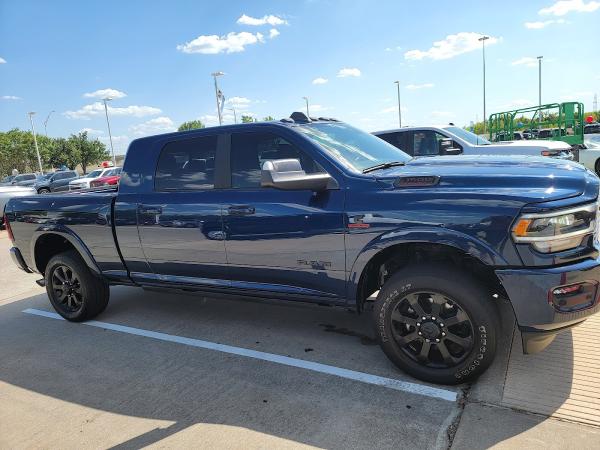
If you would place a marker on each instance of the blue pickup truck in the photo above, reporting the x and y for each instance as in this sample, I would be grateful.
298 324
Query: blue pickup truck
315 210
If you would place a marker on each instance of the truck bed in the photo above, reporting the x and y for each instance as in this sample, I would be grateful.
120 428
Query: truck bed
81 216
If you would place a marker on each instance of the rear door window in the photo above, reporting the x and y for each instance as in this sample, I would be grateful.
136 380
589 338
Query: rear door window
187 165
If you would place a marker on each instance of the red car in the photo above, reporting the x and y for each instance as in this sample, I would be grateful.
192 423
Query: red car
110 179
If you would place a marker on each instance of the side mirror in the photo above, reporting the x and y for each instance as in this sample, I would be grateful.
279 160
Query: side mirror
287 174
446 147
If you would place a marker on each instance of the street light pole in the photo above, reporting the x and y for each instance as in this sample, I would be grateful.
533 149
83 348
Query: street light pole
539 58
306 100
217 95
483 39
112 150
234 114
46 123
399 108
37 150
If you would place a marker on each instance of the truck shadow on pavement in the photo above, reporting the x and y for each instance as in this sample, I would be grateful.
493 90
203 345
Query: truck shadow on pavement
138 377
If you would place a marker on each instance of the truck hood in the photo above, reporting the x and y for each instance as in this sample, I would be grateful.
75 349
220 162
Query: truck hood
531 179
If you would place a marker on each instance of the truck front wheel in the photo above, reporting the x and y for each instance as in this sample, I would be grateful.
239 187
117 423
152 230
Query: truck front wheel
75 293
437 324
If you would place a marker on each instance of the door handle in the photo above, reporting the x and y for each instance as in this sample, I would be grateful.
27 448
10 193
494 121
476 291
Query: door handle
241 210
150 209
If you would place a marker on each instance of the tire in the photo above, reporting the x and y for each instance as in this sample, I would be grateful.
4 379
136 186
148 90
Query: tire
43 191
88 294
456 351
597 167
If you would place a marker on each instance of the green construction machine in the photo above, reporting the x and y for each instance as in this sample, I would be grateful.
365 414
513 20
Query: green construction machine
553 121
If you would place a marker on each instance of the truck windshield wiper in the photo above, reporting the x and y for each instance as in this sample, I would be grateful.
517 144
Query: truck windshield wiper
386 165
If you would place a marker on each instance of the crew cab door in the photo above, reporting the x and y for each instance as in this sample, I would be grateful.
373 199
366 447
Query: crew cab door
179 222
288 242
60 181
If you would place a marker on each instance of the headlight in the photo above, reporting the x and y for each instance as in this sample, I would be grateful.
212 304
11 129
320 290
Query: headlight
556 231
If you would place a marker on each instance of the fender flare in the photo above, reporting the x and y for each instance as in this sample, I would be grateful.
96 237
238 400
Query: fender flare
425 235
72 238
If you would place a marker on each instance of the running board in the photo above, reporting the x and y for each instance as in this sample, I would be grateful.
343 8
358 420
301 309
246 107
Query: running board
41 282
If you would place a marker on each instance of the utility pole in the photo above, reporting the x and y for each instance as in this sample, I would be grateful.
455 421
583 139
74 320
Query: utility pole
539 58
46 123
218 96
306 100
399 107
234 114
37 150
112 150
483 39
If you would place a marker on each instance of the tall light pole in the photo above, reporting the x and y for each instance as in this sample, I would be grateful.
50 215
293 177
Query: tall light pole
483 39
539 58
399 108
234 114
46 122
37 150
112 150
218 95
306 100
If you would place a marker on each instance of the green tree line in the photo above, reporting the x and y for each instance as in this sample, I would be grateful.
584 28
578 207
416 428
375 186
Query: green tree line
17 151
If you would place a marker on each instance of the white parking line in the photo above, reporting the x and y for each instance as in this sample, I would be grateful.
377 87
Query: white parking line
390 383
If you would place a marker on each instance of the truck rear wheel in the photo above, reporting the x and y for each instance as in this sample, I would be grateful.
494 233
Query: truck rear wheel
75 293
437 324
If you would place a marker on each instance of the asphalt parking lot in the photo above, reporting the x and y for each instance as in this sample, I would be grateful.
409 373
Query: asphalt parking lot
165 371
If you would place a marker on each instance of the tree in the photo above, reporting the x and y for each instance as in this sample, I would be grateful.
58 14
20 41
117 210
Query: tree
62 152
87 152
248 119
191 125
268 118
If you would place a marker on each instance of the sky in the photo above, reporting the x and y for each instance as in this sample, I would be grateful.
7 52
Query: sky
155 59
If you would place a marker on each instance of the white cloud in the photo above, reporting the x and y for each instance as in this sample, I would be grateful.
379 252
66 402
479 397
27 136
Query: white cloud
269 19
540 25
10 97
273 32
517 103
320 80
453 45
576 96
348 72
564 7
120 143
527 61
153 126
104 93
413 87
389 49
213 44
2 61
238 102
97 108
91 131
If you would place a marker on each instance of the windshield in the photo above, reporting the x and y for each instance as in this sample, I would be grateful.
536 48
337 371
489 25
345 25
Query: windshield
592 141
94 174
352 147
465 135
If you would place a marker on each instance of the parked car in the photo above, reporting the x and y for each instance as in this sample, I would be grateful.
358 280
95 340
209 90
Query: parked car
25 179
592 128
110 178
8 192
453 140
7 181
84 181
55 182
589 155
319 211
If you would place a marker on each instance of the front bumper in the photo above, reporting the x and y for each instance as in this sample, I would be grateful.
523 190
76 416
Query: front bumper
538 316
